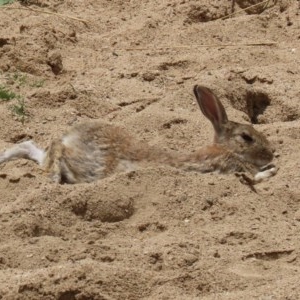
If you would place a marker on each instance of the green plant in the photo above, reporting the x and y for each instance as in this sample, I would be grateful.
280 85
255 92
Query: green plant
19 110
23 79
3 2
38 83
18 107
6 95
20 78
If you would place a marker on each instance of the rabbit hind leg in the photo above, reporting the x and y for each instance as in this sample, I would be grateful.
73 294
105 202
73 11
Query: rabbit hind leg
27 150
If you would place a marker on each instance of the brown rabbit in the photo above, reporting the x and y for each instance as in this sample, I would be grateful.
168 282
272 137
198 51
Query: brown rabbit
94 150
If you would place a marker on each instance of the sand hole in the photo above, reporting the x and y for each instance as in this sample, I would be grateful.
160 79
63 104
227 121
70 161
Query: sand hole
257 102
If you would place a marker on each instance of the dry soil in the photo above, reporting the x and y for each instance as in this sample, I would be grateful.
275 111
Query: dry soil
156 233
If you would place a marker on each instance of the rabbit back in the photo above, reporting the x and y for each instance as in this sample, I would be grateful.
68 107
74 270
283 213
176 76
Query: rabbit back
88 152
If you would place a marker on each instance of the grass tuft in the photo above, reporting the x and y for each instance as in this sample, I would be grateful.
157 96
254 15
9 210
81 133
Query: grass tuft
6 95
18 106
19 110
3 2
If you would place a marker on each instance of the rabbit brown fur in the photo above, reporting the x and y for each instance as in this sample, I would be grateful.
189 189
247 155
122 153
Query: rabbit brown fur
94 150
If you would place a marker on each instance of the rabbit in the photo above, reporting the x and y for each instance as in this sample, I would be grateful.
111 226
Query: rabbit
94 150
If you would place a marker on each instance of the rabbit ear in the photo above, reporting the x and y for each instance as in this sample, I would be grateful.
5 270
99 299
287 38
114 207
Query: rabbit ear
211 107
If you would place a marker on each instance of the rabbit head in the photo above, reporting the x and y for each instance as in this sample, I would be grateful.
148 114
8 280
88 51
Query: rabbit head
242 139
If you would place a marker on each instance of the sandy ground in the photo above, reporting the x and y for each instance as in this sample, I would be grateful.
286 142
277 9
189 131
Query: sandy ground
156 233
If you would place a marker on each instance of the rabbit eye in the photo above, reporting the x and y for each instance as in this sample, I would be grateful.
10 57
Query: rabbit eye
247 138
